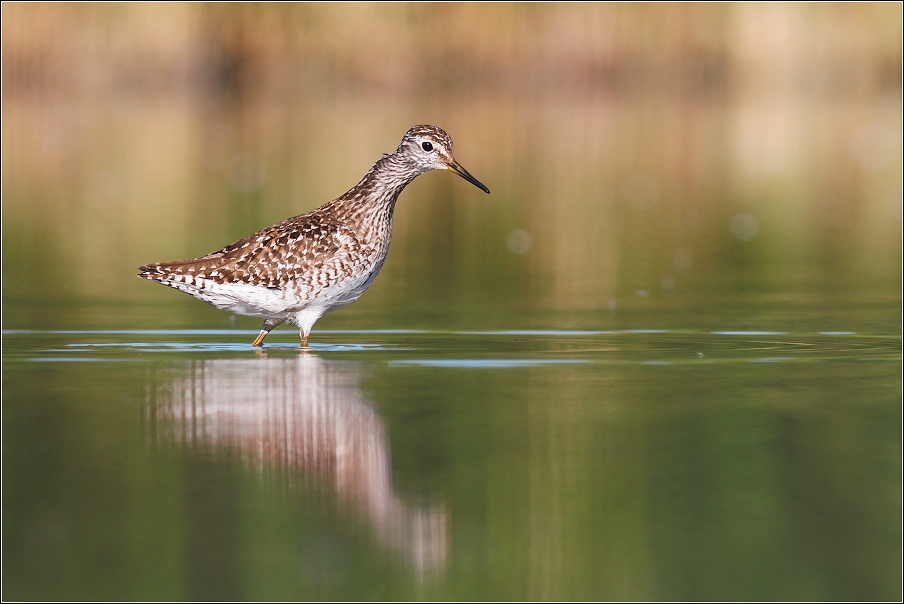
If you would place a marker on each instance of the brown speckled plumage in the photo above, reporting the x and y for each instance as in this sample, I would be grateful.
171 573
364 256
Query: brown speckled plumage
305 266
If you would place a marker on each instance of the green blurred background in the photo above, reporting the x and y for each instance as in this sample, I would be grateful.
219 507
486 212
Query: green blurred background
641 157
690 168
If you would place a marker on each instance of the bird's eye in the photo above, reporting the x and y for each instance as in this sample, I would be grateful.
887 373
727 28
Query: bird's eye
427 146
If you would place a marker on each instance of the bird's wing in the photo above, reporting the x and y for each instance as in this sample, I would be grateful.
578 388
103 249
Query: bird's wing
290 250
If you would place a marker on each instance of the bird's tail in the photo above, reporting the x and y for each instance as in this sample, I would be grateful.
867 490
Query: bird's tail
163 270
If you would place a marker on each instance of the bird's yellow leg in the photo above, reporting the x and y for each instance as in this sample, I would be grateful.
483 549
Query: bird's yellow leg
268 325
304 340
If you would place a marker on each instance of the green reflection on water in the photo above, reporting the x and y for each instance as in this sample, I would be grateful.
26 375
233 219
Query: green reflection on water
589 465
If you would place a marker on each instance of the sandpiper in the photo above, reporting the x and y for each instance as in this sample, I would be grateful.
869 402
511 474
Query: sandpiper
301 268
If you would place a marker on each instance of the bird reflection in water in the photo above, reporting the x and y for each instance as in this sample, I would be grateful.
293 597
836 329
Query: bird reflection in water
306 419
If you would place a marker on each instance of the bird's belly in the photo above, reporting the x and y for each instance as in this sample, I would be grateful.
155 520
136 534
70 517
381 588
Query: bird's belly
347 291
244 298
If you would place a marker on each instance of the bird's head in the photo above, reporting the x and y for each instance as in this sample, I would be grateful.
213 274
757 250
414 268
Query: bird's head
430 148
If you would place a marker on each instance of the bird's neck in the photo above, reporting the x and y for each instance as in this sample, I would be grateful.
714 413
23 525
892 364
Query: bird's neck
380 187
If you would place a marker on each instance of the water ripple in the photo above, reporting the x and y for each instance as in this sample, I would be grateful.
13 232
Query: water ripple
486 363
222 346
749 333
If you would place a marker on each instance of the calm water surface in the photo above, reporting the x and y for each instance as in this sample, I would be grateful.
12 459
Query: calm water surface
598 464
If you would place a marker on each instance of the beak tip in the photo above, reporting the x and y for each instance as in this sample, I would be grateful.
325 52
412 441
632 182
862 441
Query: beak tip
455 167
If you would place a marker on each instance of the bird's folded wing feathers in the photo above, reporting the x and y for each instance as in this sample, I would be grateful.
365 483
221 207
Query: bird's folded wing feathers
283 252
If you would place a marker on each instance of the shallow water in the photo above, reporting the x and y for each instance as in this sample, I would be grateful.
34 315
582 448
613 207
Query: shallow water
581 464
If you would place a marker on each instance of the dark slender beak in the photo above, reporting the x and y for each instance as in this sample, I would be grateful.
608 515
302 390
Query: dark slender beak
455 167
